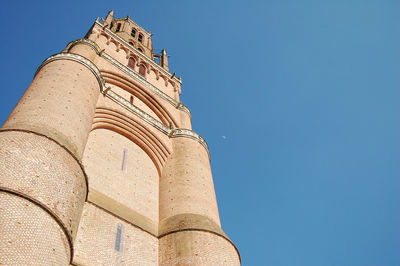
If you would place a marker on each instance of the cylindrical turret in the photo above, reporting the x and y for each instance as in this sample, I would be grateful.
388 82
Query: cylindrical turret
189 227
43 185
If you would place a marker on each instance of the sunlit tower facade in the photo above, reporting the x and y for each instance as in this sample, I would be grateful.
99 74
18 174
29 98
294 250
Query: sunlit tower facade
99 165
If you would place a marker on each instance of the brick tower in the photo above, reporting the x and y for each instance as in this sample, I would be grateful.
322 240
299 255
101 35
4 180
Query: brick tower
99 165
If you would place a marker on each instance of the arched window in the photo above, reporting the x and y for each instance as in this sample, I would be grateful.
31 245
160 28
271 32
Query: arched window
133 33
140 38
131 43
118 27
142 70
131 63
140 50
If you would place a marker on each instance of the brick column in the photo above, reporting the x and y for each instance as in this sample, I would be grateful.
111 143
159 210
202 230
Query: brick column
42 182
189 228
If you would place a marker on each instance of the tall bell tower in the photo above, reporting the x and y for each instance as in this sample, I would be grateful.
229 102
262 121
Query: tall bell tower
99 165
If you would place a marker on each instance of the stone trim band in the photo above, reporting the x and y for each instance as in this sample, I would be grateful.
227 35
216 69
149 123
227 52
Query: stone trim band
173 133
207 231
132 74
149 60
187 133
148 118
77 58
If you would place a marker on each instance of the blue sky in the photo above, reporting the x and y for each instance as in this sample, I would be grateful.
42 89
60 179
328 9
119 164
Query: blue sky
298 101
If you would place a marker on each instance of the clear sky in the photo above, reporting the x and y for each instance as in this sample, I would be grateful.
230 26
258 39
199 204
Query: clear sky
298 101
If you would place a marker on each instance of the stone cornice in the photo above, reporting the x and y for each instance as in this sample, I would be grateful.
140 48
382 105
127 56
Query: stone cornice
148 60
187 133
171 132
132 74
77 58
145 83
127 105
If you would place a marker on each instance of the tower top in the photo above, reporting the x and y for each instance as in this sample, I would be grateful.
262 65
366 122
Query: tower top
131 32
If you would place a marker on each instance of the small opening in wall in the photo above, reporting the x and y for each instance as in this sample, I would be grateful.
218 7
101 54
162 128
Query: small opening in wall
131 63
118 27
118 237
142 70
124 154
131 99
133 33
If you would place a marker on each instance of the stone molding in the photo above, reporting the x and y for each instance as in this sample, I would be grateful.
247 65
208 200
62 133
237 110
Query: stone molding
149 60
145 83
171 132
132 74
191 222
127 105
187 133
123 212
188 221
77 58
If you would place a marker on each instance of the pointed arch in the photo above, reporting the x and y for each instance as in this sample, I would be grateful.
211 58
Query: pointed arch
136 89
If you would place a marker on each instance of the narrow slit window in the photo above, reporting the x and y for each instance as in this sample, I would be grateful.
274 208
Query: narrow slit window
124 154
118 28
140 38
131 63
131 99
133 33
118 238
142 70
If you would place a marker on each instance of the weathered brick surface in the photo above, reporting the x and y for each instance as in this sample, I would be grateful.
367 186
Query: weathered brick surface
186 185
196 248
139 177
136 101
46 172
29 235
96 241
59 103
182 118
134 184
